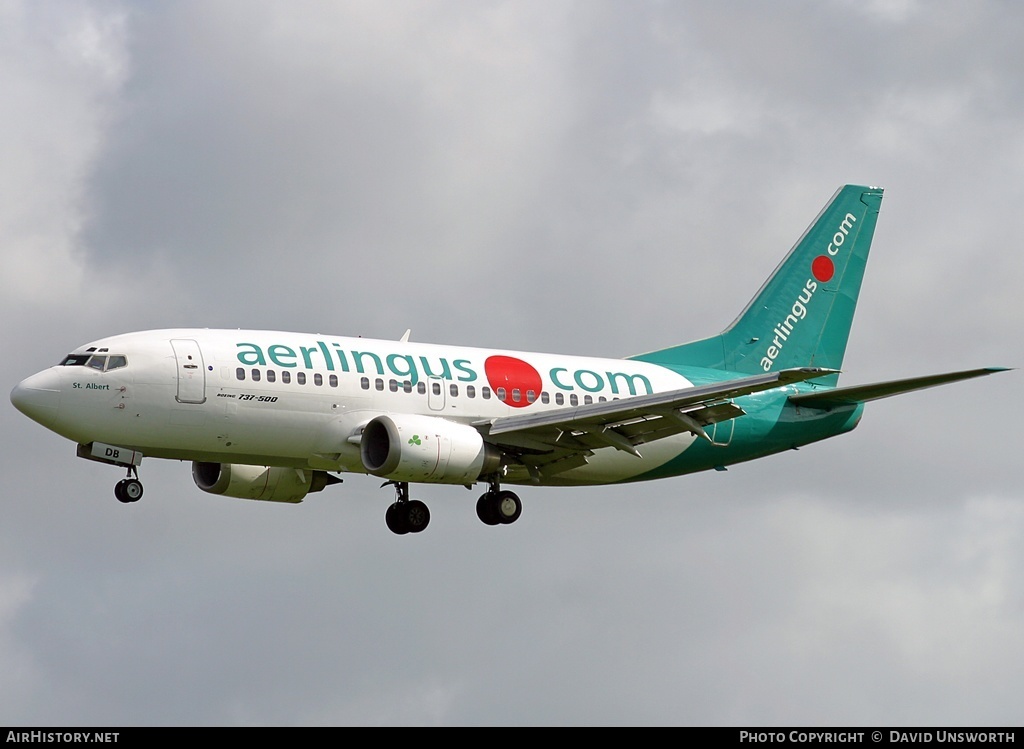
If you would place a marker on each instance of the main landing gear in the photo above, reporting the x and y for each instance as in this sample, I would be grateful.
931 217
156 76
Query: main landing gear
405 515
129 489
496 507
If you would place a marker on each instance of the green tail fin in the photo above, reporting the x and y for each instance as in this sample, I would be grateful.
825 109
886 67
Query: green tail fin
802 315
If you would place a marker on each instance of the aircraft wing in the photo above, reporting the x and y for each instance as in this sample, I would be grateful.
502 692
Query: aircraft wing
864 393
560 439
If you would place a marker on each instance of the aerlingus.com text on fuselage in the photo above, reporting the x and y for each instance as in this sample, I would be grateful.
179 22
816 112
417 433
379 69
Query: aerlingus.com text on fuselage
521 380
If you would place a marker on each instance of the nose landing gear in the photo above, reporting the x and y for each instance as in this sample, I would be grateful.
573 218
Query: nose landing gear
129 489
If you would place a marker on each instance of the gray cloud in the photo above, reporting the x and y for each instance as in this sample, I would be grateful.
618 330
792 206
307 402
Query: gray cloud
589 178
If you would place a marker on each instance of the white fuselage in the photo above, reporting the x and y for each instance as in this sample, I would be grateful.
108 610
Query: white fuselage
299 400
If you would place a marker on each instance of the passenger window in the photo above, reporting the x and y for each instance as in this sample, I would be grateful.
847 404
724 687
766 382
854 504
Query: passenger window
587 400
286 377
453 389
545 397
515 395
574 400
501 393
393 386
271 375
436 388
601 399
407 386
379 384
333 381
300 377
364 383
421 388
318 379
255 375
470 391
530 396
485 393
559 399
240 373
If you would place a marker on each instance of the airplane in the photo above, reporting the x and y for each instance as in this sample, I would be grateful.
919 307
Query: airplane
274 416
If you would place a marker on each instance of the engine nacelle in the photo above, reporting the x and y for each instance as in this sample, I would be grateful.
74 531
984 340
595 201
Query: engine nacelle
405 447
272 484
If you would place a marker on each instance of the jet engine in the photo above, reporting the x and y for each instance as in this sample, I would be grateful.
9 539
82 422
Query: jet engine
272 484
406 447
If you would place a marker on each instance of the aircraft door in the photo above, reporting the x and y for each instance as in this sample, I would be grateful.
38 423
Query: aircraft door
191 371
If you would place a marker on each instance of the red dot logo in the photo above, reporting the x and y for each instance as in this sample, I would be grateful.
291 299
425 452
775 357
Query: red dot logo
823 268
515 376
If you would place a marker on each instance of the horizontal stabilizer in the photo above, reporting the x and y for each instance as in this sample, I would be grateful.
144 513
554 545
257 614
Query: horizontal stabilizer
862 393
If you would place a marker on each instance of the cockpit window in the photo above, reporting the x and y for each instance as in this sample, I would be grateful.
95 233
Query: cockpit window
93 361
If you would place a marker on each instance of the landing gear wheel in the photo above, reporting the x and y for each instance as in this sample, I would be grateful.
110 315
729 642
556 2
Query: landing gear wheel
133 489
405 515
128 490
395 519
507 507
499 508
417 516
487 510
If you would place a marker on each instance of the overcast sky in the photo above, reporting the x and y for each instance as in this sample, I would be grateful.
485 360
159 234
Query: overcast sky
592 177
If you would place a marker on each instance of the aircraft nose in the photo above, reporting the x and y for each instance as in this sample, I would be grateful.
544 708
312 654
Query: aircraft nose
38 396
